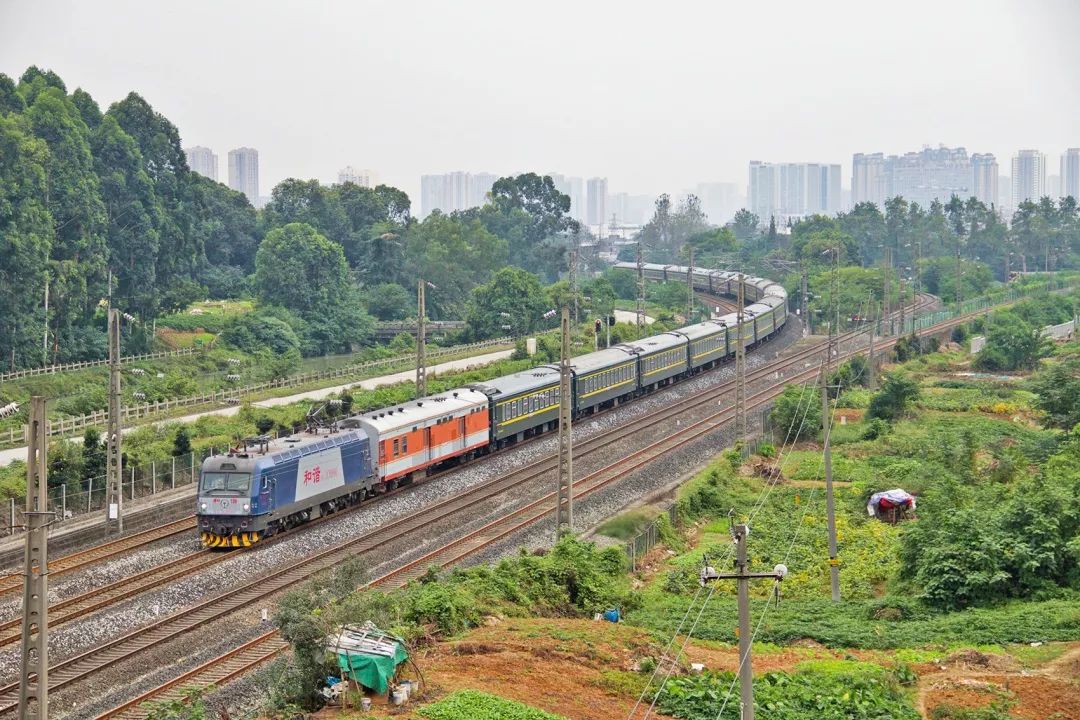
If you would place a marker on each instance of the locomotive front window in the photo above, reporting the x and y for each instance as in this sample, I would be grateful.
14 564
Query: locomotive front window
225 482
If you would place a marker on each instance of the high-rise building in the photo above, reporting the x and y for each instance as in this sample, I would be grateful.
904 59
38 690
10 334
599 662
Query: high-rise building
596 202
868 179
454 191
1028 176
719 200
1070 173
244 172
202 160
763 190
1053 186
924 176
984 178
362 177
574 188
789 191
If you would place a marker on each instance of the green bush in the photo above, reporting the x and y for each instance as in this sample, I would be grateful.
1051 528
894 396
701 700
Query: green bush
787 696
475 705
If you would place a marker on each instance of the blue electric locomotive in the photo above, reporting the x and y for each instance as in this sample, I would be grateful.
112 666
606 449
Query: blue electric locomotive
270 486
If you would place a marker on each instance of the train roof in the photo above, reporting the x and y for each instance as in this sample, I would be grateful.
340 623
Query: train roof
282 449
703 329
600 359
518 382
422 411
657 343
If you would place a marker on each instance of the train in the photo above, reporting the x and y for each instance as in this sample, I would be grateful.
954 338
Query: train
268 485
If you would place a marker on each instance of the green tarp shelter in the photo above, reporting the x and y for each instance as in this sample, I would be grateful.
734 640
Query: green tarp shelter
368 655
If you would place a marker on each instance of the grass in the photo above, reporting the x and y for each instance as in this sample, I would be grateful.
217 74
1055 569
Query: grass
475 705
627 525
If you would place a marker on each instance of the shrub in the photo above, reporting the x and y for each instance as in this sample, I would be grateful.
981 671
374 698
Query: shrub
476 705
891 402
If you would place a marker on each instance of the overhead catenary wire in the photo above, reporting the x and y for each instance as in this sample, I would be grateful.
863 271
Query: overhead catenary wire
808 391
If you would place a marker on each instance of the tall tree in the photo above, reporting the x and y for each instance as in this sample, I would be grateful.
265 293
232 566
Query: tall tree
10 99
166 166
513 303
133 218
73 195
745 225
26 230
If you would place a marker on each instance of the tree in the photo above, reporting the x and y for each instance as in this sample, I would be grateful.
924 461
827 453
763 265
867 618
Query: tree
26 229
513 303
390 301
76 258
301 270
796 414
897 393
1011 344
745 225
260 330
93 453
532 216
181 442
454 253
181 250
10 99
132 213
866 226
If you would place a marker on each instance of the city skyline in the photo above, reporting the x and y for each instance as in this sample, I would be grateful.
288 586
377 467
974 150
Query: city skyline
558 119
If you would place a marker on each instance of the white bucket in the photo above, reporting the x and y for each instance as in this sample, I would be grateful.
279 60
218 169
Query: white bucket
398 697
365 704
406 686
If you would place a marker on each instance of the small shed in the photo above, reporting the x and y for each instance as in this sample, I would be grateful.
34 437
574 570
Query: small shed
891 505
367 655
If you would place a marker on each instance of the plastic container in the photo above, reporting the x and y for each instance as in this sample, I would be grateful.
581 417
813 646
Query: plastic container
365 704
398 697
407 686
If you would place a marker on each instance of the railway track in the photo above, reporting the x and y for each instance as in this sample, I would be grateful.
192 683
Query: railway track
532 512
173 626
76 668
11 582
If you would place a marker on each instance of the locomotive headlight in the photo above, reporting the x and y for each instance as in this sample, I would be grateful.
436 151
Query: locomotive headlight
202 506
247 507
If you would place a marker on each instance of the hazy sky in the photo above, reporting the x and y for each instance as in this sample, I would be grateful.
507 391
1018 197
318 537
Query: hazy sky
656 96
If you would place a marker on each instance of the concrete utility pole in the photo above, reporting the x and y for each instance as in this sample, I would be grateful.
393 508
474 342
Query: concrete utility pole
564 508
690 287
903 306
34 699
742 576
574 281
871 381
640 287
804 310
959 275
886 311
421 341
740 363
830 505
114 470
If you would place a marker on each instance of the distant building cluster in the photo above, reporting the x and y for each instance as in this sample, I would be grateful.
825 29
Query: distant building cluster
362 177
939 173
454 191
791 191
243 169
924 176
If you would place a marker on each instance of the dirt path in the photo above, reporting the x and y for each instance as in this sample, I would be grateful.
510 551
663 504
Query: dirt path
973 680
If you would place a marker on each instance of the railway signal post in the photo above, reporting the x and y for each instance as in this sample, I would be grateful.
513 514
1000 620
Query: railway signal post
114 470
34 699
564 506
421 341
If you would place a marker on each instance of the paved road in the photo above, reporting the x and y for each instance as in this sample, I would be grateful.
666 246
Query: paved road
9 456
626 316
